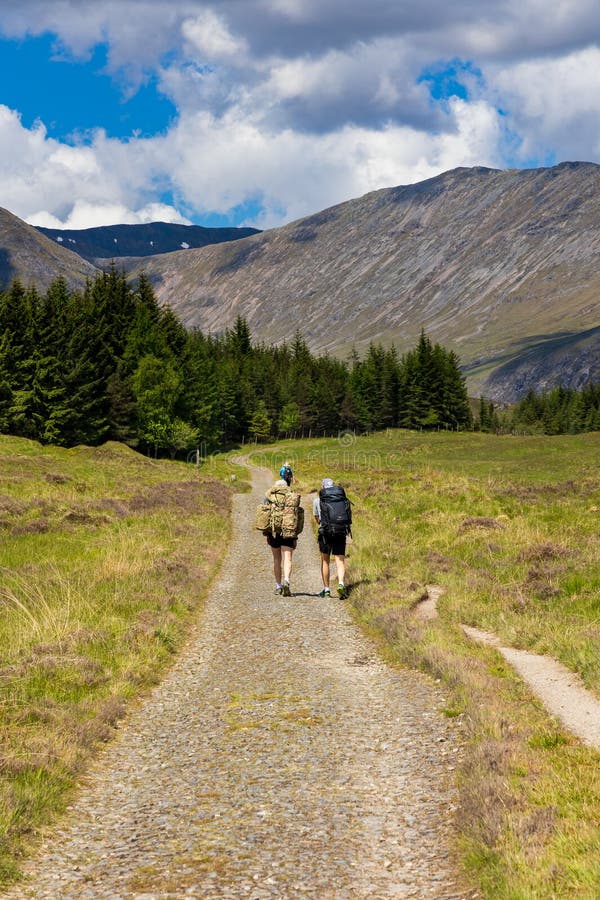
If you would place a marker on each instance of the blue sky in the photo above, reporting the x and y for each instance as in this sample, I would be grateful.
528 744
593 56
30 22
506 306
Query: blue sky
263 111
73 97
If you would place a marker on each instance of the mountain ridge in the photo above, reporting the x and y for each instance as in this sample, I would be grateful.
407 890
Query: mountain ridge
30 257
489 262
501 266
106 242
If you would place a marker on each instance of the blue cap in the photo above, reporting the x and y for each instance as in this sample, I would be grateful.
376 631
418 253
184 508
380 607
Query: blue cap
286 473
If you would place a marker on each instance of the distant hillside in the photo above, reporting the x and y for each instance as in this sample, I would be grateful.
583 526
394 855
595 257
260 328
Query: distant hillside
111 241
501 266
34 259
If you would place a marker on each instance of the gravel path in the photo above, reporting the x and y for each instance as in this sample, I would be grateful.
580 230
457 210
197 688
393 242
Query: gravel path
280 758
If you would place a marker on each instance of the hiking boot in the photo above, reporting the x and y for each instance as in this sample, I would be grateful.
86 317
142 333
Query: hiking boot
325 593
285 590
342 592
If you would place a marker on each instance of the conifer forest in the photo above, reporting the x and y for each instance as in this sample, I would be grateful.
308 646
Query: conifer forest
108 363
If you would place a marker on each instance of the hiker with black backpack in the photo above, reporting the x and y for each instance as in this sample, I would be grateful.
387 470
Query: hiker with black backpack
333 513
281 519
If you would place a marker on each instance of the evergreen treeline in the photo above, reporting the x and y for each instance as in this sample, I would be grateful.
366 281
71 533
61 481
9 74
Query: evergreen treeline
559 411
109 363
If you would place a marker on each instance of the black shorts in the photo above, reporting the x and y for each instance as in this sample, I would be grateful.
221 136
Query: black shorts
277 541
333 544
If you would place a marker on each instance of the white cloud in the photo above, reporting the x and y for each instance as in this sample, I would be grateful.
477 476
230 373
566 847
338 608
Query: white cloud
78 163
555 103
89 215
301 104
138 32
221 164
208 35
50 183
366 85
476 141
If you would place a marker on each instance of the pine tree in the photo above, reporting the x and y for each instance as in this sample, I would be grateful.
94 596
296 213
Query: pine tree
50 403
239 342
144 335
289 419
201 401
360 411
260 423
121 407
6 394
457 410
390 390
175 335
17 314
233 415
411 402
157 388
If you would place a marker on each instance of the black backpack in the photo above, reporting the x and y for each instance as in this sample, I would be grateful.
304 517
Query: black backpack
336 511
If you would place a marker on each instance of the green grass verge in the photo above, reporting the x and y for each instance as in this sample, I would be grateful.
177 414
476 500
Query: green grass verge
105 558
508 527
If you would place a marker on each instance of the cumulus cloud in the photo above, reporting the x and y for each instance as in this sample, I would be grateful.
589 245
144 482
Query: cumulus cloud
209 36
141 31
51 183
368 85
137 32
555 103
88 215
293 105
224 164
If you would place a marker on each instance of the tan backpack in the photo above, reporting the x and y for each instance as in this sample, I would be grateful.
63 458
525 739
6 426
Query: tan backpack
281 515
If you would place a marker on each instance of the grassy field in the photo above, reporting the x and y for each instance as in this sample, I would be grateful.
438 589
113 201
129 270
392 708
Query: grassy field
104 560
509 528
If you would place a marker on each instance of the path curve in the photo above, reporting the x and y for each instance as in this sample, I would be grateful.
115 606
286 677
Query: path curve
562 691
280 758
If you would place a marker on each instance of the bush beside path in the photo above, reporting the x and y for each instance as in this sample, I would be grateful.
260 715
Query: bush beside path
279 758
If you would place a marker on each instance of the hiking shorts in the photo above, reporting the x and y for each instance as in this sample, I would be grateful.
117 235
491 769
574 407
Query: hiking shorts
277 541
333 544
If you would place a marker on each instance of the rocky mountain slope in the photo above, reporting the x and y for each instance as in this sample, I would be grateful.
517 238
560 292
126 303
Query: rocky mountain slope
29 256
106 242
502 266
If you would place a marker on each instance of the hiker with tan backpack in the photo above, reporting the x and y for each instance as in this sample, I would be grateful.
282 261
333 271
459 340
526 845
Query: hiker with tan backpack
281 519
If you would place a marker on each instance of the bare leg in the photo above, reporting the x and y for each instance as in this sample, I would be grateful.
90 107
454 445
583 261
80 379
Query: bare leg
325 569
340 564
277 563
286 553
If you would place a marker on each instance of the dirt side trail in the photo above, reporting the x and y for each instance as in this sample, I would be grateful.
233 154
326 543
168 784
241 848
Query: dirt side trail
278 759
561 690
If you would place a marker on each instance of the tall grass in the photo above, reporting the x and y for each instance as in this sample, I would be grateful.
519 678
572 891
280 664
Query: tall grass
508 527
104 560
